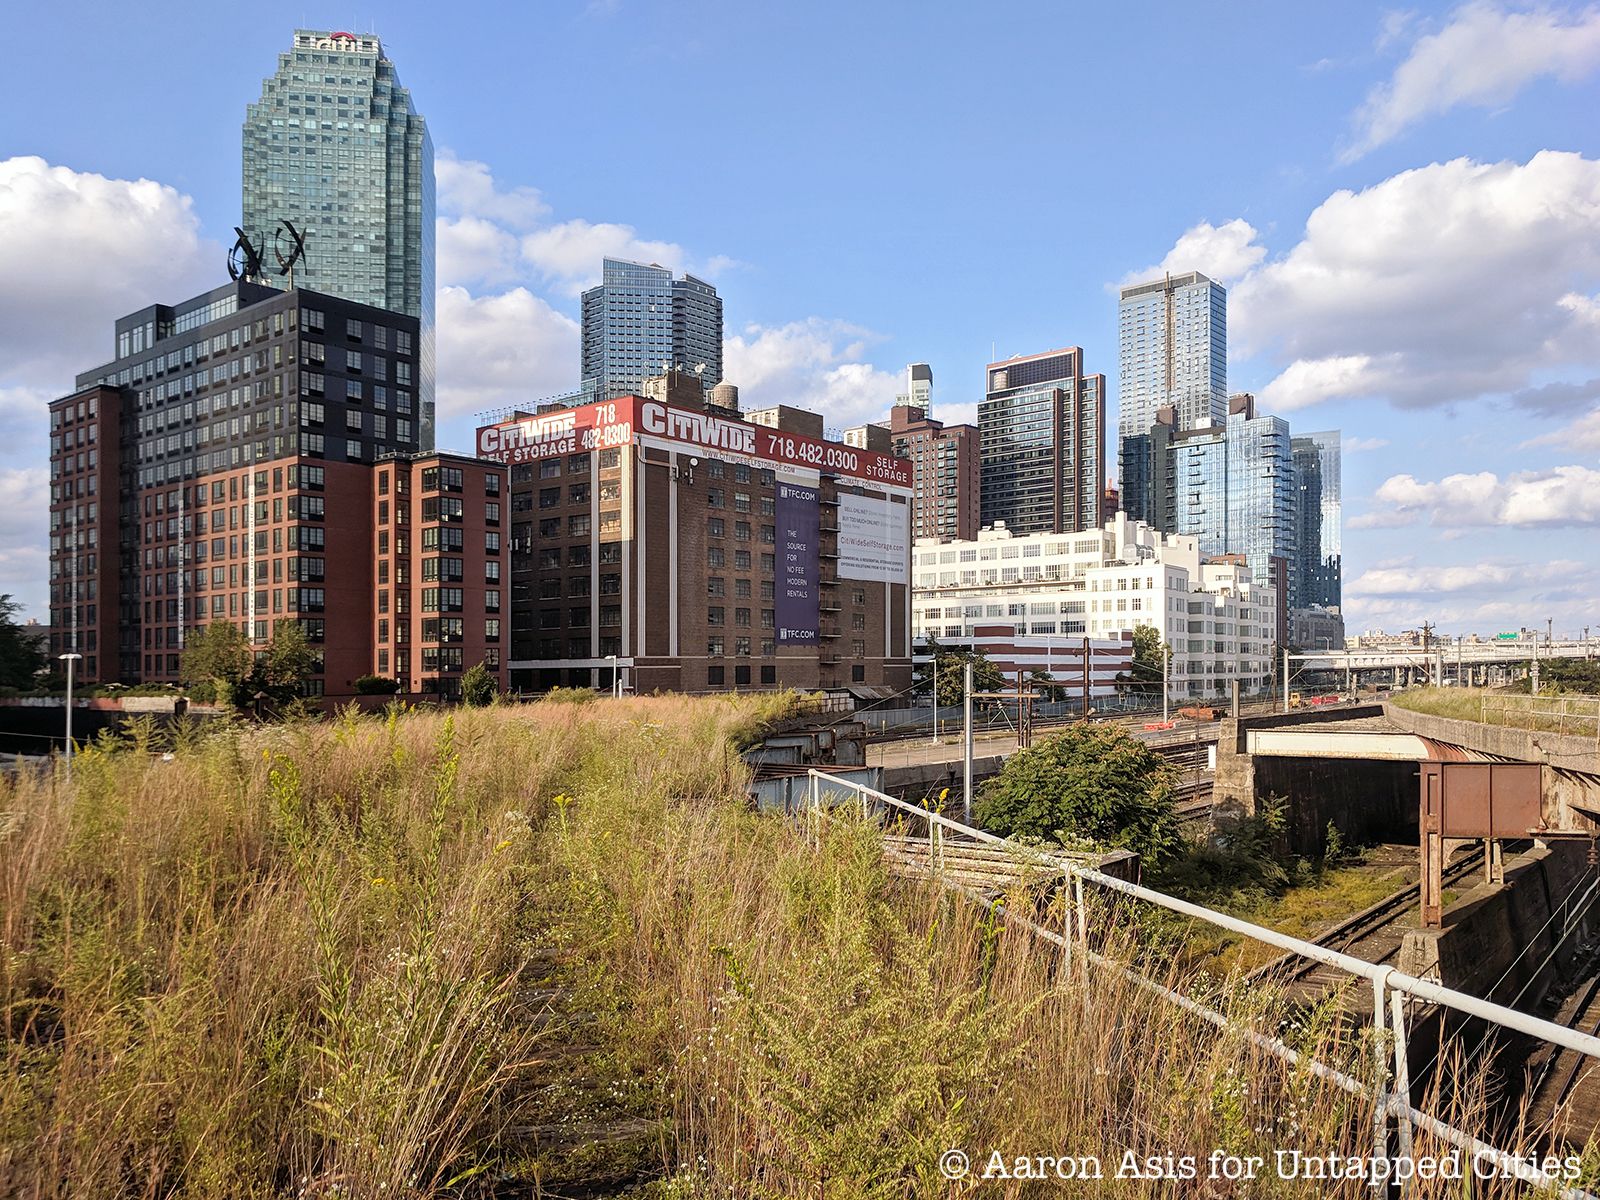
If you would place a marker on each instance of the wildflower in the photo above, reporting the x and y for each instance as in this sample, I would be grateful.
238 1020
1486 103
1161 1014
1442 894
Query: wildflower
377 881
502 845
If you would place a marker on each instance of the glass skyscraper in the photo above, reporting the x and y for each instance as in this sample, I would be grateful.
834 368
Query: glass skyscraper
335 146
1173 337
1320 568
641 322
1041 435
1234 488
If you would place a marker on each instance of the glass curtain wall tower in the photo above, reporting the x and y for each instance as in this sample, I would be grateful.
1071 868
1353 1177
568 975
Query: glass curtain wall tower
1320 568
335 146
641 322
1041 430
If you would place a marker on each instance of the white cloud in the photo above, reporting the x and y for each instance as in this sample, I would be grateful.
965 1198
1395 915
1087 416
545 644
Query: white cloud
1224 252
1440 284
569 254
78 250
474 250
1483 57
1583 434
468 187
818 364
1555 398
1483 597
1424 580
500 350
1360 445
1311 381
1562 497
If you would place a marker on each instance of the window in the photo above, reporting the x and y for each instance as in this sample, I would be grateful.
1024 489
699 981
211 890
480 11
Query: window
716 616
716 585
714 676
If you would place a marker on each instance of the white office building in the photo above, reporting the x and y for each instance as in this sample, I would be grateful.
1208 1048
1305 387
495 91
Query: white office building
1218 621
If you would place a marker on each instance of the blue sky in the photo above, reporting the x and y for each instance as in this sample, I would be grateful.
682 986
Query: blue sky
1405 204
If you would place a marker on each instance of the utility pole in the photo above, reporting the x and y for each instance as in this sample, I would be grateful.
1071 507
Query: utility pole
1286 679
70 659
966 756
935 698
1086 653
1166 691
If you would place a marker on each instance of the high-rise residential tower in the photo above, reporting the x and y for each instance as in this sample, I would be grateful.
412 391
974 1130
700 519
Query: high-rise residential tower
919 388
1320 568
335 147
944 472
1174 350
1234 489
640 322
1042 442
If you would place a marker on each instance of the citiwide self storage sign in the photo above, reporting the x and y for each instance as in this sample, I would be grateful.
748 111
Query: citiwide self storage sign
630 419
795 605
873 539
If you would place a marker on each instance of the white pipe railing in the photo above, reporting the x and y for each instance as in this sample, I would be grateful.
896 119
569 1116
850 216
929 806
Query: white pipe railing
1389 986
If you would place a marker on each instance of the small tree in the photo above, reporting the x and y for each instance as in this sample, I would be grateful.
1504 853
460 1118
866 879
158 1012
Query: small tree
1147 652
218 653
21 656
477 686
376 685
951 660
1089 781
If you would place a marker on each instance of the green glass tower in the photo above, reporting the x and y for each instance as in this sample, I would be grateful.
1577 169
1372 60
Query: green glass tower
335 146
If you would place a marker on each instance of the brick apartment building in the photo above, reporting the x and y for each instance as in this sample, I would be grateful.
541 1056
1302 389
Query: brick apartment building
944 472
693 550
222 467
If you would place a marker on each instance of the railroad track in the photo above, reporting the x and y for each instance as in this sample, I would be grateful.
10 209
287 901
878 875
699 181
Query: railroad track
1374 934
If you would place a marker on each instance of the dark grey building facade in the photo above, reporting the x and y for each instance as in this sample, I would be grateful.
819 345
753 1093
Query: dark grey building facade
1041 432
640 323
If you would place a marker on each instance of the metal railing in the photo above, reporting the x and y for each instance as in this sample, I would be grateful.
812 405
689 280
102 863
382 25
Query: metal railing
1576 715
1389 1090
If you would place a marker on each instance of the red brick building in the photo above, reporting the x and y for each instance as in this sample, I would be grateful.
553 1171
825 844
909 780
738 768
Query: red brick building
693 551
438 606
944 473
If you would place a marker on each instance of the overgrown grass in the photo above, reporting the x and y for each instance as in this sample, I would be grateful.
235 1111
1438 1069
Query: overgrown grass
1570 714
550 951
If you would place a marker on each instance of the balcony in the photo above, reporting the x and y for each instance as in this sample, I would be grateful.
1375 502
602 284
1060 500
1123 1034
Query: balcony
829 605
828 631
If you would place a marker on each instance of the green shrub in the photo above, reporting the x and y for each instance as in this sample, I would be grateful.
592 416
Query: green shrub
1091 782
566 695
376 685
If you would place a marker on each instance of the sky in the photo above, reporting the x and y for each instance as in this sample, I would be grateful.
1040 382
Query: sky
1404 204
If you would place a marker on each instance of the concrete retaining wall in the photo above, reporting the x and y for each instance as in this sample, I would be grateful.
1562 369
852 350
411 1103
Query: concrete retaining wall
1497 936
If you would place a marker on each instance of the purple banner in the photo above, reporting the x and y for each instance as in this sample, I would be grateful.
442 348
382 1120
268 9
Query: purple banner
796 599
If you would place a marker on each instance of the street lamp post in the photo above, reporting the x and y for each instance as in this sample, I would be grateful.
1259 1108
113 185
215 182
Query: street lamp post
1166 690
615 690
69 659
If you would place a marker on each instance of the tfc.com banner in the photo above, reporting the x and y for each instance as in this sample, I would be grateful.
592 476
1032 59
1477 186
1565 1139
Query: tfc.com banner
630 419
795 605
873 539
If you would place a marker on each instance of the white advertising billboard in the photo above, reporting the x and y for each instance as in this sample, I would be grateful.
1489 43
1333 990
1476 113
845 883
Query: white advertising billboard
874 540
